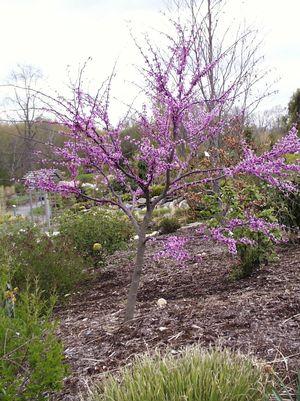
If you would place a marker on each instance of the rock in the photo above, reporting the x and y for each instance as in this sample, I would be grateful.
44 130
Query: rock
183 205
153 234
141 201
161 303
191 225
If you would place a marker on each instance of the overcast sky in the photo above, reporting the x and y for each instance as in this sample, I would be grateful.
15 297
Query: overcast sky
52 34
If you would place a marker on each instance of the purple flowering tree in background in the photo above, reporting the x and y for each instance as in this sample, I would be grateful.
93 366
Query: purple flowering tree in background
174 127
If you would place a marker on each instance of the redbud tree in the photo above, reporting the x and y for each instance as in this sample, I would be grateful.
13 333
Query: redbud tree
175 126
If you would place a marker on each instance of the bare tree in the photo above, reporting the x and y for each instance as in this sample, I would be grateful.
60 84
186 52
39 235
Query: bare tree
26 112
236 49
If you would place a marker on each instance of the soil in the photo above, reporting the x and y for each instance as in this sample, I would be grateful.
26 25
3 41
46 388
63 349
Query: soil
259 315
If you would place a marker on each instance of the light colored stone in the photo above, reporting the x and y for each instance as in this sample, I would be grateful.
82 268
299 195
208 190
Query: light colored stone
141 201
183 205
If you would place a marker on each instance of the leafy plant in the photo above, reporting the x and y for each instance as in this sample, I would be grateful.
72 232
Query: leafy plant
84 228
156 189
240 203
168 225
287 206
31 356
194 375
34 254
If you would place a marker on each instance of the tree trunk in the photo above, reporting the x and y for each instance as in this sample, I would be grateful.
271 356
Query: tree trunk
135 281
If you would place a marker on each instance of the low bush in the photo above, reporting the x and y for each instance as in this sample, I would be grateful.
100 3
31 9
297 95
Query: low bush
287 206
239 200
193 376
168 225
34 254
31 357
18 200
156 190
109 228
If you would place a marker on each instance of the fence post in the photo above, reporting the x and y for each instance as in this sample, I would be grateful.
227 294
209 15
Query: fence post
47 210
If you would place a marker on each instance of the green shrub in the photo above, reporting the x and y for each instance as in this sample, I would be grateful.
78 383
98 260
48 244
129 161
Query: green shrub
38 211
251 257
196 375
287 206
18 200
156 190
126 197
110 228
161 211
168 225
238 199
31 357
33 254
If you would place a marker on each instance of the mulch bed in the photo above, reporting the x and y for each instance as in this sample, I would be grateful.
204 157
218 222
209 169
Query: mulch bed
258 315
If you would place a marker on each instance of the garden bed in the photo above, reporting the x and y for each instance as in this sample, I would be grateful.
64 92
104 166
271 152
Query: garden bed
260 314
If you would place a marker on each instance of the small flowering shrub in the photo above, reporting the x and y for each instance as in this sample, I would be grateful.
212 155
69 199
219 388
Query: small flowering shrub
194 375
31 357
106 227
34 254
249 226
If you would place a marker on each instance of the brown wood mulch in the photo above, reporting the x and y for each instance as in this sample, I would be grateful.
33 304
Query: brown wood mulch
258 315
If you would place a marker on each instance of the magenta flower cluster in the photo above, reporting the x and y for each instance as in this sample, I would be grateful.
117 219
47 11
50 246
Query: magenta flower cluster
225 234
174 129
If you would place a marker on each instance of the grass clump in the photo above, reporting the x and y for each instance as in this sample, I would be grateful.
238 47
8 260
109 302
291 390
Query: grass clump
195 375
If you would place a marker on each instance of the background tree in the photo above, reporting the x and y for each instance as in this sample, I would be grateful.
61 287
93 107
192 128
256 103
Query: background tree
26 111
293 117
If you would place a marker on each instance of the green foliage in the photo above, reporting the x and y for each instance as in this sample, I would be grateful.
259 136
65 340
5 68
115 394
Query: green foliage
287 206
34 254
251 197
86 177
193 376
251 257
18 200
156 190
235 200
31 357
84 228
294 110
168 225
126 197
128 135
38 211
161 211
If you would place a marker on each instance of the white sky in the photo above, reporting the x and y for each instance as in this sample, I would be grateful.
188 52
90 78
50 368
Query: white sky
52 34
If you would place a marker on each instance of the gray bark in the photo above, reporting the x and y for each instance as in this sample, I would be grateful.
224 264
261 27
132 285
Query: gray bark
135 281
